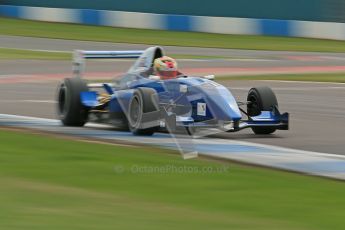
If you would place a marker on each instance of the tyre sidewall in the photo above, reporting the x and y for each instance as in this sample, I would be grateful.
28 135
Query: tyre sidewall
74 113
148 100
265 101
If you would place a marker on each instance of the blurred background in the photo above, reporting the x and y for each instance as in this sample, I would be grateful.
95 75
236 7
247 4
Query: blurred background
308 18
83 178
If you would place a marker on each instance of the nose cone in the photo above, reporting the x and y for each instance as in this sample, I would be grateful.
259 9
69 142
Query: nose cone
225 106
234 111
220 103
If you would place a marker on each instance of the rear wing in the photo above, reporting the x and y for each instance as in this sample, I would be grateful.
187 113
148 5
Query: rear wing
79 57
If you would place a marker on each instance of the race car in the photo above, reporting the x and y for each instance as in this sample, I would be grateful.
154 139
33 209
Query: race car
144 102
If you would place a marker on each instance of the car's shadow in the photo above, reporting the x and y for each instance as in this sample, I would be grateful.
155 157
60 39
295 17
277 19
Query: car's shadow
221 135
245 136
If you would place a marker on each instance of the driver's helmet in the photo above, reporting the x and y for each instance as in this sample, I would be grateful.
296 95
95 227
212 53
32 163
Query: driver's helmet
165 67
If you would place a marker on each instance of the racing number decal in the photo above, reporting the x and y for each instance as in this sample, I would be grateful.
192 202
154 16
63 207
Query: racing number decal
201 110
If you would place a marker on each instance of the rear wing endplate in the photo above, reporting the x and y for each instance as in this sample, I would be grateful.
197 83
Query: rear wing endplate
79 57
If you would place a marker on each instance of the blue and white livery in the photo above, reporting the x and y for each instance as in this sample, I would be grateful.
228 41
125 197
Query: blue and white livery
143 103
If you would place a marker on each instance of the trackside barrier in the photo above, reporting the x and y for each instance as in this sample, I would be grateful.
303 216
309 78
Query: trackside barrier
222 25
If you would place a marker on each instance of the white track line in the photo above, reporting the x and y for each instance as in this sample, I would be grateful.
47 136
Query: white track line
28 101
307 162
37 50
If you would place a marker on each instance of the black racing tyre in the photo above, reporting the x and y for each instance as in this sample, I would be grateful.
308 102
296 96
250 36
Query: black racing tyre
70 110
144 100
261 98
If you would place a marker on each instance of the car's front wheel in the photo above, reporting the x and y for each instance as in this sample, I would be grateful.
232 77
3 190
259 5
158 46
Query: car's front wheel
261 99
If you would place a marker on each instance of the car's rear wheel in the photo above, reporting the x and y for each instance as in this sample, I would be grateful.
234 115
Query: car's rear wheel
70 110
144 100
261 99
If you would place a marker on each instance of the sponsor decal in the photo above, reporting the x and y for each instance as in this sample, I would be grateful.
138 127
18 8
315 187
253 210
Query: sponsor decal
201 110
183 88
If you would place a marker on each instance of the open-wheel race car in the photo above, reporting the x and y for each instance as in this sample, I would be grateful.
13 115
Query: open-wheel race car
144 102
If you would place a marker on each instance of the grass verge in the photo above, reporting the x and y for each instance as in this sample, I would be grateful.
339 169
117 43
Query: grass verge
50 183
124 35
11 54
312 77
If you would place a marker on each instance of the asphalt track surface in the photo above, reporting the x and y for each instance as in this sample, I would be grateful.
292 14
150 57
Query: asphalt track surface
317 109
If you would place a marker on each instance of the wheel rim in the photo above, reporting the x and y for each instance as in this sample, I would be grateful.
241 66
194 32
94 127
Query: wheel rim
135 112
253 107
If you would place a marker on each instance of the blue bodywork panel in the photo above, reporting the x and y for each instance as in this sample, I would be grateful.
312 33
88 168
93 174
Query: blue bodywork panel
89 99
